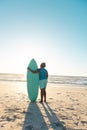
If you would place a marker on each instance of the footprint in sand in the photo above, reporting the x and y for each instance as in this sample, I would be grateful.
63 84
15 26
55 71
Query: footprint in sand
51 98
67 95
9 119
70 108
58 93
84 122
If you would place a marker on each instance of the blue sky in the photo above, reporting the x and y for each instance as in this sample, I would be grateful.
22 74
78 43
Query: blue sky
53 31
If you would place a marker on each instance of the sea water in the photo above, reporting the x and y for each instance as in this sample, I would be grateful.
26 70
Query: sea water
53 79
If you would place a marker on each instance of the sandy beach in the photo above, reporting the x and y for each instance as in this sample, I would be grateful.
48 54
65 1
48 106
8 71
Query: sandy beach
66 108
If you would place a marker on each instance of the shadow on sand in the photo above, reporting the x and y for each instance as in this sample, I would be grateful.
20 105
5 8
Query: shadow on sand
41 117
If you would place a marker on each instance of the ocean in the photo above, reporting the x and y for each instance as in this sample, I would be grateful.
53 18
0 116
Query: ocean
53 79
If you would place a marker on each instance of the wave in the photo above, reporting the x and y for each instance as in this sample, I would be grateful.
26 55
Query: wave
77 80
55 79
13 77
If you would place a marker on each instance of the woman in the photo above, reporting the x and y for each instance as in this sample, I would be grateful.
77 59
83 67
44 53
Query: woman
43 78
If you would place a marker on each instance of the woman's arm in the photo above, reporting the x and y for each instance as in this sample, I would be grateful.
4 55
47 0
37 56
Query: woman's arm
47 75
33 71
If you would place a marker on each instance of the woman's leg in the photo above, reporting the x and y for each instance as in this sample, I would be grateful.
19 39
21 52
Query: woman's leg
44 95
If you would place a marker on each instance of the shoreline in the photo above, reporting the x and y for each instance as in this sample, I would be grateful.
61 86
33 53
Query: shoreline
66 107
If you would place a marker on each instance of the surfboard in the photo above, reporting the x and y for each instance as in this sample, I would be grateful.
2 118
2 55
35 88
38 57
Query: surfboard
32 81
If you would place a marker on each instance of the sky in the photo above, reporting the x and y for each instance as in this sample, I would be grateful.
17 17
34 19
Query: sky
50 31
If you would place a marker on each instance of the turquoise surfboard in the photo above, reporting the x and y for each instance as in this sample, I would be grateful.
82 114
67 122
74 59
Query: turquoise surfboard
32 81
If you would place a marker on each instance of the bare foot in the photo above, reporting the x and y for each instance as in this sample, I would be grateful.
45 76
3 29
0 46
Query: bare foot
41 102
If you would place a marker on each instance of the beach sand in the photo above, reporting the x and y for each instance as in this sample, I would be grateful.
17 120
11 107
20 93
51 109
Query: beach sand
66 108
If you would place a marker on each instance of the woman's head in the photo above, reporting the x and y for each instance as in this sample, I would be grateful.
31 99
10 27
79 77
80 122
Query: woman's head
42 65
